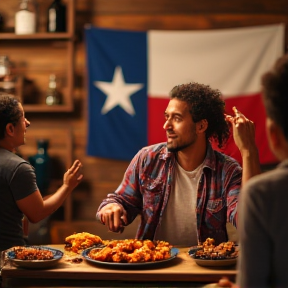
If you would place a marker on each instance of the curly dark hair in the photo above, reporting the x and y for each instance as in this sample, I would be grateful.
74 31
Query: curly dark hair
275 93
9 112
205 103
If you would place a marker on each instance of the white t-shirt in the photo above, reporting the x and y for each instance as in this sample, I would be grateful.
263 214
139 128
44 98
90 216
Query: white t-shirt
179 225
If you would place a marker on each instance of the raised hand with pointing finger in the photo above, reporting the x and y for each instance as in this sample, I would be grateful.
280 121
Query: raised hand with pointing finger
244 138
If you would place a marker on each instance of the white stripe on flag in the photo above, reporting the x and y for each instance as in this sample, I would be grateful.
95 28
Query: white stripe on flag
231 60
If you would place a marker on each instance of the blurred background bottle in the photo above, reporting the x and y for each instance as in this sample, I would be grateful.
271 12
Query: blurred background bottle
1 23
53 96
56 17
42 164
25 18
4 66
7 78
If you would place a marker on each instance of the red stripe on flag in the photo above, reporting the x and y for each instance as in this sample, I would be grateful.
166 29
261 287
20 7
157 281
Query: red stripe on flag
156 120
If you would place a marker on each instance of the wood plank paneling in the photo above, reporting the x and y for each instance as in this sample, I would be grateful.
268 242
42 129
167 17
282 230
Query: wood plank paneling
186 22
181 6
181 14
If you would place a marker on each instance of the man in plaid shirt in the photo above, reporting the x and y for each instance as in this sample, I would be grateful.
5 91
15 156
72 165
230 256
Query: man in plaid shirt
183 190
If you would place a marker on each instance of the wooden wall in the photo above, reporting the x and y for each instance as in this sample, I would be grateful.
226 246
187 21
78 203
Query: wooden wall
102 176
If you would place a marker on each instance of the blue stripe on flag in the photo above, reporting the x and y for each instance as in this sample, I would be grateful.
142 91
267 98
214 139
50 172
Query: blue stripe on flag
117 87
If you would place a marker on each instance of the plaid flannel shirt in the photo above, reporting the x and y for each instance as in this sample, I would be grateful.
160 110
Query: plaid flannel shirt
147 184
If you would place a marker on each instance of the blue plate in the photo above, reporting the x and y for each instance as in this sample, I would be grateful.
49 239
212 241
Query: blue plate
174 252
35 264
193 249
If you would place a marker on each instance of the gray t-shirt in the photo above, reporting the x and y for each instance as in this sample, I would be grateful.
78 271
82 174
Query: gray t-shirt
17 181
263 231
179 223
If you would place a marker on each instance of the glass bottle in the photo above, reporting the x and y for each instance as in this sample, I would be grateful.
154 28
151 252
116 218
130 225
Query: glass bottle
1 23
53 96
7 79
56 17
41 162
4 66
25 18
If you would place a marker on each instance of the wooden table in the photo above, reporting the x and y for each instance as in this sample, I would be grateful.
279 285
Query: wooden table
182 271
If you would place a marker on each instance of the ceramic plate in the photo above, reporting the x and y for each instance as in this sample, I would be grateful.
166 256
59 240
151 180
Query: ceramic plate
36 264
209 263
174 253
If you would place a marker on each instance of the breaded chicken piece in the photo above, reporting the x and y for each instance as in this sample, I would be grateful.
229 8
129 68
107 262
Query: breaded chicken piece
80 241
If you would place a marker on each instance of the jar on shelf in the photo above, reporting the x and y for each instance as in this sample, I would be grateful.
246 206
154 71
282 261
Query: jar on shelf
25 18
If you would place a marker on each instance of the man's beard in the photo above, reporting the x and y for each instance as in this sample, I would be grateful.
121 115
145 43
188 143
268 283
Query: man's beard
177 148
182 146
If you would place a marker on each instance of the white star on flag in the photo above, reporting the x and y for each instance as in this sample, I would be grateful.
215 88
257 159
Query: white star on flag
118 92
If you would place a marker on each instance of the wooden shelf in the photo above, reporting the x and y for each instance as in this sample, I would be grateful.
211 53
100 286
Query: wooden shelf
39 108
36 56
37 36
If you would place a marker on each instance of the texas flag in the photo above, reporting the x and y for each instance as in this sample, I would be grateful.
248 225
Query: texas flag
131 73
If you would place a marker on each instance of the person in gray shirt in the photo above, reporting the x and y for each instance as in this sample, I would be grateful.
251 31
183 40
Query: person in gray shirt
19 194
263 219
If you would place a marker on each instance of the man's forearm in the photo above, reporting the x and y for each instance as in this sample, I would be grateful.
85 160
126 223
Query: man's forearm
250 164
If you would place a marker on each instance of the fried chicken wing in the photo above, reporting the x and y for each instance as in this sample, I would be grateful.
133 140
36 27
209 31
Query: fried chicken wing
104 254
80 241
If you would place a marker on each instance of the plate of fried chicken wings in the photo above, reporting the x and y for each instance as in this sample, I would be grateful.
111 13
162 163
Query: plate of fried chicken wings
209 254
131 253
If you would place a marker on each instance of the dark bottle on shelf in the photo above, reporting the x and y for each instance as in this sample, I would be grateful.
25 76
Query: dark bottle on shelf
1 23
56 17
42 164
